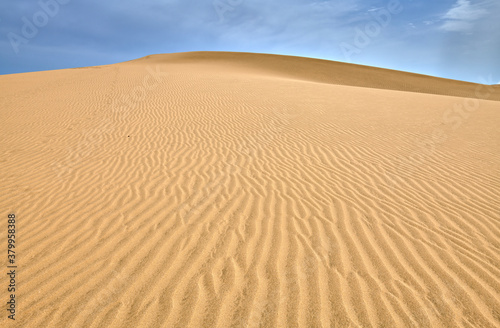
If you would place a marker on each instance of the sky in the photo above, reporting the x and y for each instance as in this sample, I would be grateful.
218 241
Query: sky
457 39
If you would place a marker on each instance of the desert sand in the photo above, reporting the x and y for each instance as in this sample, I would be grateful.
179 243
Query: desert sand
214 189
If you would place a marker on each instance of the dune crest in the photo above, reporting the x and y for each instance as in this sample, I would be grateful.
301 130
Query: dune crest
248 190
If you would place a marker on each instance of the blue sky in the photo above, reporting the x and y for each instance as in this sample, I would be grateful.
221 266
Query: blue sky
458 39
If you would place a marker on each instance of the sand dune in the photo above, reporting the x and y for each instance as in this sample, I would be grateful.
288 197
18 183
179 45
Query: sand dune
246 190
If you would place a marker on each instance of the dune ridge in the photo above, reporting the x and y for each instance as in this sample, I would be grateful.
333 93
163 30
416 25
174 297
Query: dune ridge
248 190
330 72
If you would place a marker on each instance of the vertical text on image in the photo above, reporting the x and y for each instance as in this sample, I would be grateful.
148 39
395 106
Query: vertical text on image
11 265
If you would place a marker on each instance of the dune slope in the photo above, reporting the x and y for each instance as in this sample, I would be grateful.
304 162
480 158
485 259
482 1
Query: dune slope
246 190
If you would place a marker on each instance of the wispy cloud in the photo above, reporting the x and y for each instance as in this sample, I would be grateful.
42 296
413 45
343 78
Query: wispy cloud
461 16
125 30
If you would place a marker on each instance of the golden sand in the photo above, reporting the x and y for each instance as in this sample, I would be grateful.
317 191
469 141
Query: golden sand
247 190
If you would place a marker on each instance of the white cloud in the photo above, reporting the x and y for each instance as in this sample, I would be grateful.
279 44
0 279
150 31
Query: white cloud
461 16
463 10
456 25
375 9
